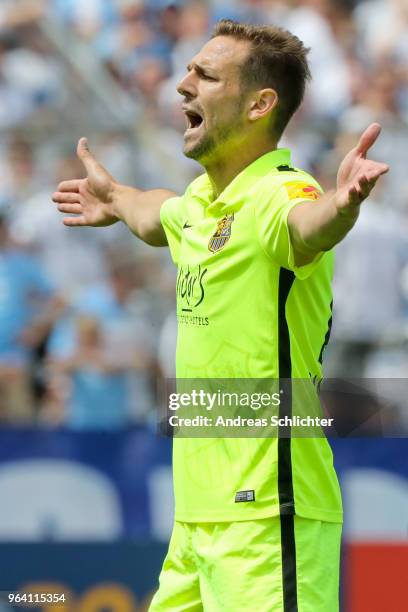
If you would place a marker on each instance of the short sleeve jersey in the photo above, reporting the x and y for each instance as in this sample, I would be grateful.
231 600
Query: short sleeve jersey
246 311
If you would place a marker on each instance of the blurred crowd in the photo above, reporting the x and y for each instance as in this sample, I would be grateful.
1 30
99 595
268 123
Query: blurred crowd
87 324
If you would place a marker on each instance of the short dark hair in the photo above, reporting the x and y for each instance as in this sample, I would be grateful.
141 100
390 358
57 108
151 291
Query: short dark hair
278 59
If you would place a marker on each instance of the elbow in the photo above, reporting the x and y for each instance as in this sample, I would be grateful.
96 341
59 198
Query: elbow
151 234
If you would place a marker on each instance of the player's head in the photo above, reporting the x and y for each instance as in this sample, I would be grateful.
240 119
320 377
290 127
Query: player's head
244 85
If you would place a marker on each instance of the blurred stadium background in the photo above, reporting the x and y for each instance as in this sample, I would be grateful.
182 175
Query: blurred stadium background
85 483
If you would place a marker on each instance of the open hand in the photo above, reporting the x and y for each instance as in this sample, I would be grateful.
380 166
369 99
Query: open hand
358 175
90 199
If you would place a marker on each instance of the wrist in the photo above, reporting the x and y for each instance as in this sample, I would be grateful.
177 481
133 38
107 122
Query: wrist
123 198
118 194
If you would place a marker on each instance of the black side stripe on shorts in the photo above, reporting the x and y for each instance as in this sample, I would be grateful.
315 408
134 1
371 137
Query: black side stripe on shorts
285 481
289 579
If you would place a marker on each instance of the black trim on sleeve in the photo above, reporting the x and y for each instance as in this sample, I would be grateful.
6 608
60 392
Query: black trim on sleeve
286 169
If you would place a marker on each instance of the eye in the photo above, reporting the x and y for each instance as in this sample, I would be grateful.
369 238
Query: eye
204 75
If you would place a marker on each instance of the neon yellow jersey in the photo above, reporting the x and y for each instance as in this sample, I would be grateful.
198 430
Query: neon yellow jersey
246 311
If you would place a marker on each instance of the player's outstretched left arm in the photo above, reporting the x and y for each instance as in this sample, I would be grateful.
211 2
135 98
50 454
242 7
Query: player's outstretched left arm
320 225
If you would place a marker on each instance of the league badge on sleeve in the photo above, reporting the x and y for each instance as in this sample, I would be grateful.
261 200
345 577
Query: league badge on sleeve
222 234
297 189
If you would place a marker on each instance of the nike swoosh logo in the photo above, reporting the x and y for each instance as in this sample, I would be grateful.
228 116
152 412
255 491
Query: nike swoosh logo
186 226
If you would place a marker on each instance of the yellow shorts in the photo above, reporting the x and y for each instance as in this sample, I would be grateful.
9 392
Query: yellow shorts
279 564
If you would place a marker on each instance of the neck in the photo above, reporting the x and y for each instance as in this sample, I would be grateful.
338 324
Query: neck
224 169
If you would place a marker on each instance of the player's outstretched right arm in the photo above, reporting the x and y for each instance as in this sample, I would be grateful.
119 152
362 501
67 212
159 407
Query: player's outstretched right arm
98 200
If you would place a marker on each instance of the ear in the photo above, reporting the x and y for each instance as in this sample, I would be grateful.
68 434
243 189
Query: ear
262 104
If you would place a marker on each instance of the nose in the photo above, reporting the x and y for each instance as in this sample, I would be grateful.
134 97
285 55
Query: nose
187 87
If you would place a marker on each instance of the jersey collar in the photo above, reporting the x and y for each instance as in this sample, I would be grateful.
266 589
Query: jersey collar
234 192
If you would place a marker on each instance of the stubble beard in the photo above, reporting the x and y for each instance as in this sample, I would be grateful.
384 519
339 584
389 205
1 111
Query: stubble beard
202 149
207 148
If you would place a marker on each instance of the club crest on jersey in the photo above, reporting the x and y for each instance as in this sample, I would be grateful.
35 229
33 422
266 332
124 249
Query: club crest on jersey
222 234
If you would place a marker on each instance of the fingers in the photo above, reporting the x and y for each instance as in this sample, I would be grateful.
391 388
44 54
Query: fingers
92 166
365 182
358 192
68 204
83 150
74 221
368 138
70 186
382 169
354 197
74 209
61 198
363 187
374 171
86 156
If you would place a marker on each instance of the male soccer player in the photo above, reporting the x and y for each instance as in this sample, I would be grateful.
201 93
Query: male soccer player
258 521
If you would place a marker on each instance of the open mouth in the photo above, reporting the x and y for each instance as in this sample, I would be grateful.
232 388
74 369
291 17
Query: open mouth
194 120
